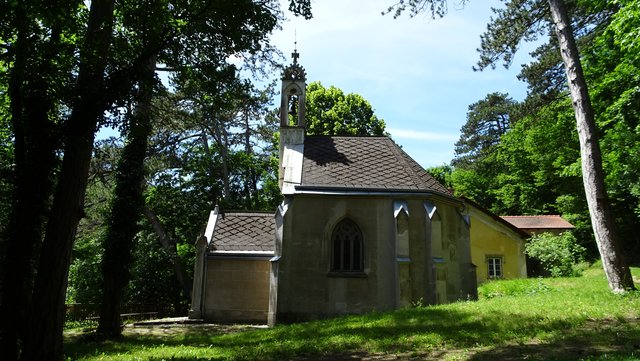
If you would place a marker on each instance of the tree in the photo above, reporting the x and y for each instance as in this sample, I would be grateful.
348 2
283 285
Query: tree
126 208
34 63
330 112
602 220
442 174
75 64
44 339
524 20
487 121
538 157
611 67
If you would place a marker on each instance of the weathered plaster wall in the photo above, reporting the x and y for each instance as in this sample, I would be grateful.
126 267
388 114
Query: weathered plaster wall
488 238
237 290
307 289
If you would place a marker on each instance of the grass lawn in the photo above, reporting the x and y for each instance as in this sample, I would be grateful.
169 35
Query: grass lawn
534 319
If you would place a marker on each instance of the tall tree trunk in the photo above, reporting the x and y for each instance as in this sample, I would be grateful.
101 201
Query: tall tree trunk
615 266
34 161
46 317
250 183
211 169
126 209
220 136
170 247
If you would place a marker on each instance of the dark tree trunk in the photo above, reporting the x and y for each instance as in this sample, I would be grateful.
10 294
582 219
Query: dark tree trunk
46 318
170 247
126 209
613 262
34 161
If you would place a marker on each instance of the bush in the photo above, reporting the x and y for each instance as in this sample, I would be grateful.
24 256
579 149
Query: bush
515 287
558 254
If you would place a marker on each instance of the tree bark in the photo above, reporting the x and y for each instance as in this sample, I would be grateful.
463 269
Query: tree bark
46 318
126 209
220 136
35 158
613 262
170 247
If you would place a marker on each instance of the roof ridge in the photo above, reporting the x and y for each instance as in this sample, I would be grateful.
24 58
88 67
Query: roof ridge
347 136
242 212
537 215
402 155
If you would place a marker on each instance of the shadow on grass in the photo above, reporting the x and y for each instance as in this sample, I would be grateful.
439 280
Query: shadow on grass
422 331
604 339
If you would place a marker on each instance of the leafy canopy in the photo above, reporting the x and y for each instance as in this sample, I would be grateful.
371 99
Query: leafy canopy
329 111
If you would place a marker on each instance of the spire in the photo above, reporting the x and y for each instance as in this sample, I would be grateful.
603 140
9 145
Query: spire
295 55
292 124
294 71
293 92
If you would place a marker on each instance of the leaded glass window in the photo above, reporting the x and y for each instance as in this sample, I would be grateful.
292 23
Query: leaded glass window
347 248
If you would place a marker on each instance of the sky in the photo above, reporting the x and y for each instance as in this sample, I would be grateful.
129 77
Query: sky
416 72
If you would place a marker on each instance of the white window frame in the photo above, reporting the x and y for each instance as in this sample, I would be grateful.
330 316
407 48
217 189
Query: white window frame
495 267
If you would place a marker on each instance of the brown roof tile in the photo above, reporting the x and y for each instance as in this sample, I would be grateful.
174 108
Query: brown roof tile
244 231
538 222
363 163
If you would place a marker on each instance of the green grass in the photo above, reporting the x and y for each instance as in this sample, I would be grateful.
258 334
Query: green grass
562 318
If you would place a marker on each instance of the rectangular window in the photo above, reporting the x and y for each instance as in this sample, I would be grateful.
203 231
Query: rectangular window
494 267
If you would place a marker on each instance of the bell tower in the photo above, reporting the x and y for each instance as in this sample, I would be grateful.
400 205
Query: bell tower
293 94
292 125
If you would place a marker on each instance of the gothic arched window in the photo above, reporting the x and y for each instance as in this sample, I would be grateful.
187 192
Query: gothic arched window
347 247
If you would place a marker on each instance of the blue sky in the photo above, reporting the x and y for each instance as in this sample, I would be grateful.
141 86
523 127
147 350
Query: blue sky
415 72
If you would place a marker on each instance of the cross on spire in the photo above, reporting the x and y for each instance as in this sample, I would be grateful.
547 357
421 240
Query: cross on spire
295 55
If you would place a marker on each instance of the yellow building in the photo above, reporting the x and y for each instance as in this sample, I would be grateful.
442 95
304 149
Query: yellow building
497 247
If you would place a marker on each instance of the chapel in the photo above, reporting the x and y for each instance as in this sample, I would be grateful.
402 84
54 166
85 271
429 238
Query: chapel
362 227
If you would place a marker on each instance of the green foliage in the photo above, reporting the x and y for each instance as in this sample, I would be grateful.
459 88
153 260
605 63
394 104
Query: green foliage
558 254
442 174
518 287
434 8
518 21
538 156
85 276
152 277
6 168
331 112
80 325
534 167
554 317
487 120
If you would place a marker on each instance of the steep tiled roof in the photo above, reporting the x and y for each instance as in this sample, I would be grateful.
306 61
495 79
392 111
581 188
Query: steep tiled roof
538 222
367 163
240 231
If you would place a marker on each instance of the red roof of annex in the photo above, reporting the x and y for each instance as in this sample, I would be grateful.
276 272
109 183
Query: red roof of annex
538 222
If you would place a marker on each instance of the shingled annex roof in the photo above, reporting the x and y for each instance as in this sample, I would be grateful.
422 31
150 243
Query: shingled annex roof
538 222
363 163
244 232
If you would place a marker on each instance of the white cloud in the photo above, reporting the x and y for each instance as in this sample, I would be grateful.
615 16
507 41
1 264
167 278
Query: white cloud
412 134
